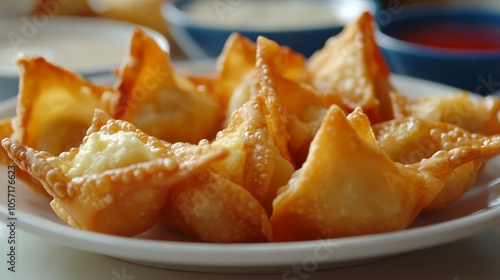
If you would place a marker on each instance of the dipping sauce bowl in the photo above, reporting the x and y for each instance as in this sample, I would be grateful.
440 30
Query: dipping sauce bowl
453 45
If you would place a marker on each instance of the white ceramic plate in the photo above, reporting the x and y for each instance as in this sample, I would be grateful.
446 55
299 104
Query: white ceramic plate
476 211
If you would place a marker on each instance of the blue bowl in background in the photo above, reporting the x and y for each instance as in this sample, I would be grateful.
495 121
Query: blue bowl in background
472 64
202 32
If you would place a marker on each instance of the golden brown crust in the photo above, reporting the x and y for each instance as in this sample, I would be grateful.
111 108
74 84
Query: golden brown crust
122 201
411 140
241 63
472 113
236 61
213 208
349 186
55 106
351 72
160 102
254 161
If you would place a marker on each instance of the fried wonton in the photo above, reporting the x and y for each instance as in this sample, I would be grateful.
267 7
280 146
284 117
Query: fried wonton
116 182
242 82
55 106
473 113
160 102
351 67
231 201
304 108
411 140
283 72
258 158
235 63
348 186
213 208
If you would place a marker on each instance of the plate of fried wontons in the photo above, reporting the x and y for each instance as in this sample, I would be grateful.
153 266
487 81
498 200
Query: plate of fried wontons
269 160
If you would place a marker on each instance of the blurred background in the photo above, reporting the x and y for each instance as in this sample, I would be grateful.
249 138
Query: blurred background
143 12
149 12
197 29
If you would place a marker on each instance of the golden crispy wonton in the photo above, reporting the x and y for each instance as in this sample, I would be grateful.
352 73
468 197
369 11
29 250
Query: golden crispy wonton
116 182
348 186
55 106
351 67
411 140
160 102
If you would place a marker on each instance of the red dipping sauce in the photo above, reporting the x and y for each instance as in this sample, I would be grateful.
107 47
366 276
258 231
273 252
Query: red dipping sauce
453 36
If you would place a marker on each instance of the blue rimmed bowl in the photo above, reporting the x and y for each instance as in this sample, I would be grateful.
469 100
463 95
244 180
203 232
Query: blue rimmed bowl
451 44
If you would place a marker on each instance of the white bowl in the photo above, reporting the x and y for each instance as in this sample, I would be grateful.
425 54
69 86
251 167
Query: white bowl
88 46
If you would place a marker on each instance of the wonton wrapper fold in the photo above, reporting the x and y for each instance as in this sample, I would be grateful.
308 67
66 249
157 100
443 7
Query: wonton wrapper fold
111 195
160 102
411 140
231 201
350 71
213 208
348 186
255 160
55 106
472 113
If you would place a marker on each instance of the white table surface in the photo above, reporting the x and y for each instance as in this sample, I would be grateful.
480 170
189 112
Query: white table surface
474 258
